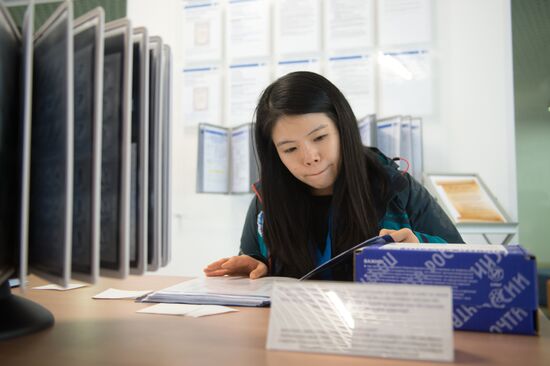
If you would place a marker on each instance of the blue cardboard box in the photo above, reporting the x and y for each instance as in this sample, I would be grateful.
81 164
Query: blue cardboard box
494 286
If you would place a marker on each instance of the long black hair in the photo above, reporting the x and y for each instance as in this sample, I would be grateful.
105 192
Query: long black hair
360 190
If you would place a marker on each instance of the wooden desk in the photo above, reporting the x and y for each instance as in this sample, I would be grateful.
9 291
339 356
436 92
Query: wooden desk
110 332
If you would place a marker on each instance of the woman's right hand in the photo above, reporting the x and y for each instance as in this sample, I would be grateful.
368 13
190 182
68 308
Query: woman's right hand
241 265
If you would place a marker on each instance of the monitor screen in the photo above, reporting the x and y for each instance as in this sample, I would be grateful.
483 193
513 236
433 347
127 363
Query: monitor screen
115 143
10 44
138 177
50 210
88 41
154 209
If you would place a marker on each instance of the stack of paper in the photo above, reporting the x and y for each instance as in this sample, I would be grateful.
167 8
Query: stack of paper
235 291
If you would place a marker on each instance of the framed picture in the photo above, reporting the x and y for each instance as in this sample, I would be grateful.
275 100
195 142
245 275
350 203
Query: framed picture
465 198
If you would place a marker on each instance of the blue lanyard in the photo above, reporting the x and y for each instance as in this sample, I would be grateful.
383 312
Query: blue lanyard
326 255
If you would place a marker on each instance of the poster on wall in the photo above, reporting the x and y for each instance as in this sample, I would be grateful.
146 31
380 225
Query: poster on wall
287 66
202 36
297 27
245 84
406 83
402 22
202 95
348 25
354 76
248 29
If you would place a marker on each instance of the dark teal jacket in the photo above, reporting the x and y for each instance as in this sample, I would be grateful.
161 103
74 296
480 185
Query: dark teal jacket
410 206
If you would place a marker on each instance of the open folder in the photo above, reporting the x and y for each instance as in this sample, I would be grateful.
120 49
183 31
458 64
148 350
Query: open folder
242 291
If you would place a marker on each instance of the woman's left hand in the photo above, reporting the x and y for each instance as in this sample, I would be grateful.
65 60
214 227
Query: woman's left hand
400 236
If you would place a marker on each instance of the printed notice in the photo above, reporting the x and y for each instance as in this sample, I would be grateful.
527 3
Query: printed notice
297 26
349 25
404 22
247 29
379 320
406 83
215 160
202 36
201 95
240 163
354 76
287 66
246 82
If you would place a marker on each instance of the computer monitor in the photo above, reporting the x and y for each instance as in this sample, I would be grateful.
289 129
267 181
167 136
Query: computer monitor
115 158
167 155
140 150
19 316
51 172
154 234
26 60
88 118
10 44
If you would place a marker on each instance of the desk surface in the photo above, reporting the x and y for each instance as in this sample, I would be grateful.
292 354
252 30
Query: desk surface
110 332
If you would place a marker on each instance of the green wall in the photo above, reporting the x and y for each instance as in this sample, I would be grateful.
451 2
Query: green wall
531 45
114 9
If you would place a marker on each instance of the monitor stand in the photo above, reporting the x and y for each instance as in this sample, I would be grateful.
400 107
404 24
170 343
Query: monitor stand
20 316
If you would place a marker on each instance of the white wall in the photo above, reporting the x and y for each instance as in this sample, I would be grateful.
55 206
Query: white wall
473 130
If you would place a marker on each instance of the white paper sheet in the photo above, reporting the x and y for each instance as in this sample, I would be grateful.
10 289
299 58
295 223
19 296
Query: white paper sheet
388 136
354 76
248 26
246 82
368 138
291 65
194 311
406 143
202 35
202 99
215 162
406 83
403 22
113 293
379 320
240 159
237 291
297 26
417 167
71 286
348 25
206 310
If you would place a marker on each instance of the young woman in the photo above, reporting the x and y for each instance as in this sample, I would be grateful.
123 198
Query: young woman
321 191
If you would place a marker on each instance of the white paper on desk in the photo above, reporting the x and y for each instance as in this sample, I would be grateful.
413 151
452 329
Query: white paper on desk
113 293
380 320
169 309
194 311
71 286
205 310
237 291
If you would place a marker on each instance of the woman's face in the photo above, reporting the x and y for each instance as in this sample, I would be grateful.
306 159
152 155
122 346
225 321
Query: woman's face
309 146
